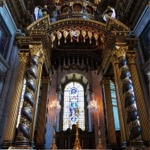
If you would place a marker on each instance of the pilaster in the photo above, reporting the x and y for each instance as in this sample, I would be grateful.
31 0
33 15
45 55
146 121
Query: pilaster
15 102
109 113
119 95
143 112
42 112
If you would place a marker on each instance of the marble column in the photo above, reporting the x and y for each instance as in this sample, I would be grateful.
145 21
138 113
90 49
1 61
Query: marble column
141 105
25 128
15 101
109 113
135 138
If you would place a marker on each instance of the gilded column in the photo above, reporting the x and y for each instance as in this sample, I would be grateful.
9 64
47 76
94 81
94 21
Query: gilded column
135 138
15 101
143 114
42 112
27 112
109 113
119 95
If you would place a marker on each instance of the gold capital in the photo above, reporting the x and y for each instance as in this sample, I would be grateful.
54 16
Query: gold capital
36 50
23 57
120 51
131 58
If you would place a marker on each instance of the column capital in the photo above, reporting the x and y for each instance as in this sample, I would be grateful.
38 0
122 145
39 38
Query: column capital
105 80
23 57
46 79
131 58
120 51
36 50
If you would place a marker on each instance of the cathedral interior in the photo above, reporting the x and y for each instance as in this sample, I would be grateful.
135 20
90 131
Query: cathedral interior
74 74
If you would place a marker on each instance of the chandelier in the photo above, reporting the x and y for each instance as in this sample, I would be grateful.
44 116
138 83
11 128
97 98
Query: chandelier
93 106
54 108
55 105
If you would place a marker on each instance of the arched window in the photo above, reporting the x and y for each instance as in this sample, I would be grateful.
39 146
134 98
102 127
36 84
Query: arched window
73 110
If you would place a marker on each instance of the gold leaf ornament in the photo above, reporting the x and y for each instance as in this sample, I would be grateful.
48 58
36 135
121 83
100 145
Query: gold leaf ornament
83 34
77 34
90 36
59 36
71 35
96 37
65 34
52 38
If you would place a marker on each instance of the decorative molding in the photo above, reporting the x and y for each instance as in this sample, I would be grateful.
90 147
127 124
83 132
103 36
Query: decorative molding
120 51
42 23
131 58
36 50
115 24
23 57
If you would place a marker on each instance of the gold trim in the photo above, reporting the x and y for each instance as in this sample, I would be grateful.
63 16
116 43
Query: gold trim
23 57
131 58
120 51
36 50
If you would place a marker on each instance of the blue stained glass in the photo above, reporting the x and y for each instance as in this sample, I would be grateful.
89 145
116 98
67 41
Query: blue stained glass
73 91
74 105
74 119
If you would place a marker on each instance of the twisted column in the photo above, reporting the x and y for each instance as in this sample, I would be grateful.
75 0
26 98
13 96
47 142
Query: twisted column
129 97
15 101
38 82
27 115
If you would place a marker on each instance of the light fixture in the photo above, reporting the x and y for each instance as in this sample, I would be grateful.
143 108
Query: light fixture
93 106
54 108
94 109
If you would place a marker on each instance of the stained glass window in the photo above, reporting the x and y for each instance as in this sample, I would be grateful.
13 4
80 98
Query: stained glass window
73 110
